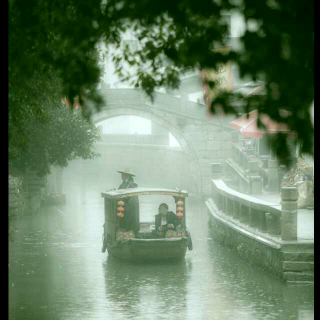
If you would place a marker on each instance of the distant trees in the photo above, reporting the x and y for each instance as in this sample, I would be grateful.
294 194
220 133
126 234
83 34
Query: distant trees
56 41
59 138
42 131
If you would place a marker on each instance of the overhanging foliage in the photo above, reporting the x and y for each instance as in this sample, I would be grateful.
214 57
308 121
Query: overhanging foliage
61 37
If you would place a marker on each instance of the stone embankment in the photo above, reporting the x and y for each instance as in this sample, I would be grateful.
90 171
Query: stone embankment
36 189
263 234
25 194
17 204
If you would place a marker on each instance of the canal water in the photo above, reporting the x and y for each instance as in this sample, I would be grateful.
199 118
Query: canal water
57 271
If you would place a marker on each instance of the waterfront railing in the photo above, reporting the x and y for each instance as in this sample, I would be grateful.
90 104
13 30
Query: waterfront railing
276 220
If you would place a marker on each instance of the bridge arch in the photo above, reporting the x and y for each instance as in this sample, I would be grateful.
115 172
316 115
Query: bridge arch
165 122
203 140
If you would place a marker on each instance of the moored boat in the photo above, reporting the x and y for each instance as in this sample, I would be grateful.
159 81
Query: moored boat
146 244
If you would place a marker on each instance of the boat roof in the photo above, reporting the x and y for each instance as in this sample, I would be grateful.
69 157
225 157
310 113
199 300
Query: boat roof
132 192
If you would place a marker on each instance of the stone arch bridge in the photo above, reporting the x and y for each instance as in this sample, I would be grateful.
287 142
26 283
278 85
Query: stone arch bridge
203 140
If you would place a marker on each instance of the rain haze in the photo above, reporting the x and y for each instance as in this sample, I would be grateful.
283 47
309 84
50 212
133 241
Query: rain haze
164 205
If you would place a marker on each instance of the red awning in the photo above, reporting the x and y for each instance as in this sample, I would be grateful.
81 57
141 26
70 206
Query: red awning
77 106
247 124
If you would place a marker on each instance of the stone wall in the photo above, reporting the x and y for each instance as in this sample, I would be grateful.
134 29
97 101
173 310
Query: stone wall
35 190
17 203
25 194
290 261
17 200
263 254
212 143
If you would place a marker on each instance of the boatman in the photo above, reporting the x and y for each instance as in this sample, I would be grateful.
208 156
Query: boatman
130 221
127 179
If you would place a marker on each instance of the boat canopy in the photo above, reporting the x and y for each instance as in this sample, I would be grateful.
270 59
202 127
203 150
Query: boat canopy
133 192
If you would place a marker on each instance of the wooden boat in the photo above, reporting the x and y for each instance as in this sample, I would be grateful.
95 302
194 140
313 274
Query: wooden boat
146 245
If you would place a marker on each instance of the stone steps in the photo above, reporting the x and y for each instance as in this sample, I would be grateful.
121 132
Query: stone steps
298 262
298 256
298 247
298 276
297 266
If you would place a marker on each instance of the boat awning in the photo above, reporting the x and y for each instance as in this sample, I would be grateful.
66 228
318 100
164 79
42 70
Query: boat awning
133 192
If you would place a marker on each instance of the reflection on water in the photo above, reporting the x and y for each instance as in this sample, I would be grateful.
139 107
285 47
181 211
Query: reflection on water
57 271
143 291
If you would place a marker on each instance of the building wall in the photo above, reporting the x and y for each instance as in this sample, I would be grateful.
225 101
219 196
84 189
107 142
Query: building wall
211 143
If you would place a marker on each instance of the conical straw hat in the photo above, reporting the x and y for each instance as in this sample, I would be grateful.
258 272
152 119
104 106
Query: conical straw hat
126 171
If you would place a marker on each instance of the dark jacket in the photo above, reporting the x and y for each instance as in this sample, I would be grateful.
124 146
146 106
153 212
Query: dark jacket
131 220
171 219
129 183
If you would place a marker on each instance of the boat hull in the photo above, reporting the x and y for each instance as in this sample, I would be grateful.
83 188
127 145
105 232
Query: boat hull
149 249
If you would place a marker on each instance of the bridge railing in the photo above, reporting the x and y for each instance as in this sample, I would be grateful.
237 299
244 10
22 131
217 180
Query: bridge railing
248 162
151 139
252 165
244 168
165 102
255 213
246 209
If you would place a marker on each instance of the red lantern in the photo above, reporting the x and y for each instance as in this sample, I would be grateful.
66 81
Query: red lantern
180 203
120 209
179 208
120 214
120 203
179 214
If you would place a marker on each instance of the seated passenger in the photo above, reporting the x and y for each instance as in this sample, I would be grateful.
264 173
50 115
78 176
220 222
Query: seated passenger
165 220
